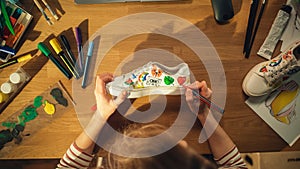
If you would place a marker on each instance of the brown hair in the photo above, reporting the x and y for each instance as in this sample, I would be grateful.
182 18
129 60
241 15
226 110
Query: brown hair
178 157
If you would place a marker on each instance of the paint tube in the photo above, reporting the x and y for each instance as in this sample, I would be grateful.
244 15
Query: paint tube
278 26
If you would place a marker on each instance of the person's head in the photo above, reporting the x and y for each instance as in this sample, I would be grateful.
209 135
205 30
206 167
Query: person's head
178 157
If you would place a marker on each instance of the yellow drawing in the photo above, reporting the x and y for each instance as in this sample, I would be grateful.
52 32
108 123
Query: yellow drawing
282 102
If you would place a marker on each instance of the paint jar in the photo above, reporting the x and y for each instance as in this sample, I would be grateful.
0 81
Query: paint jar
3 97
8 87
17 77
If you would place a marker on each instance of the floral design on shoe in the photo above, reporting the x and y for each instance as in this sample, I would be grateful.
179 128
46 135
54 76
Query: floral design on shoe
269 75
152 78
280 68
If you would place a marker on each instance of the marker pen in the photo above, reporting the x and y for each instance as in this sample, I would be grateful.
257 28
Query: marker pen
78 37
67 46
57 48
42 47
16 60
87 64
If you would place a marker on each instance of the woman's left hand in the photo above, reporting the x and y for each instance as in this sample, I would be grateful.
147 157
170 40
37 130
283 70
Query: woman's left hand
106 105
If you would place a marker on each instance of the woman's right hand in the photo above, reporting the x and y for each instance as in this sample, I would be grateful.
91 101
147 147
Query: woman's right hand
194 103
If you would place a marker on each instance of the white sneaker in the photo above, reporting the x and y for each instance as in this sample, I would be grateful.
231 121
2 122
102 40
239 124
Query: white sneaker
152 78
267 76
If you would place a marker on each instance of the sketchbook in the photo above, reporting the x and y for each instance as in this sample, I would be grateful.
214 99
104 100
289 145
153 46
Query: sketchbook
281 109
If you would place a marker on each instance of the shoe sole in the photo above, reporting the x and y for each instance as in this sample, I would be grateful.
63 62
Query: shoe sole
136 93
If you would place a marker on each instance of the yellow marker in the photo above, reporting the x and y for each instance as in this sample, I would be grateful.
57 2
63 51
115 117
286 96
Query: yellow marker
49 108
57 48
16 60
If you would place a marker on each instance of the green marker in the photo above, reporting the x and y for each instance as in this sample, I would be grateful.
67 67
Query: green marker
6 18
48 54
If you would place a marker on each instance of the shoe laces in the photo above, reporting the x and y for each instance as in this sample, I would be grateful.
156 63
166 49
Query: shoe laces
276 73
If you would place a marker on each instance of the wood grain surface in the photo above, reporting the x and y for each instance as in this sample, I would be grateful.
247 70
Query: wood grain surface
249 131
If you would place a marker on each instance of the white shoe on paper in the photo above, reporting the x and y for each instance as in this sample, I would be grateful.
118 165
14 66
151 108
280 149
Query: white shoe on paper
152 78
267 76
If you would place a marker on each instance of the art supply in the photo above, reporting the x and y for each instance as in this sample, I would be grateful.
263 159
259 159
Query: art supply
87 64
42 11
17 77
30 118
223 10
20 19
210 104
7 50
78 37
16 60
3 97
56 46
12 90
291 32
262 8
66 92
278 26
51 11
6 17
48 54
251 20
68 49
57 94
8 87
49 108
12 39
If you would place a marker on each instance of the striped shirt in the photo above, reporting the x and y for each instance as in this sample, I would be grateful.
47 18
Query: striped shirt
232 159
76 158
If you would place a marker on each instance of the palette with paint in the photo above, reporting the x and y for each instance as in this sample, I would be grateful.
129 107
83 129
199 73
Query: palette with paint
38 113
19 20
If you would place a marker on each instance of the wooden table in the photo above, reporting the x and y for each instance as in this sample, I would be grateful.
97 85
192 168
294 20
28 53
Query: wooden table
249 131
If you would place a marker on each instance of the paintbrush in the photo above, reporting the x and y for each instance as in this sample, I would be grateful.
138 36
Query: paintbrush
209 103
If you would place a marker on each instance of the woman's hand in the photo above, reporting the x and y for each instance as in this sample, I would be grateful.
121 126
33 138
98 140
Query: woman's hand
194 103
106 105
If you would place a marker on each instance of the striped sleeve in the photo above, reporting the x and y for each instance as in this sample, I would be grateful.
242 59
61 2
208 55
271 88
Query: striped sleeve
75 158
232 159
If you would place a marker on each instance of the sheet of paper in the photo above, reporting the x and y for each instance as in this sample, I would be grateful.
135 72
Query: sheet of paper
291 34
288 132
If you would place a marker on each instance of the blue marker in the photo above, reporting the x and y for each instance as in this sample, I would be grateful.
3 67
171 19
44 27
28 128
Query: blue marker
87 64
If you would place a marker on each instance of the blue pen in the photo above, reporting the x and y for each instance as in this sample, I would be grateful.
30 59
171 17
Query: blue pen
87 64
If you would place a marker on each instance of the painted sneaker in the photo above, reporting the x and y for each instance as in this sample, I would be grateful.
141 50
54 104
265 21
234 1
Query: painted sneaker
267 76
152 78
